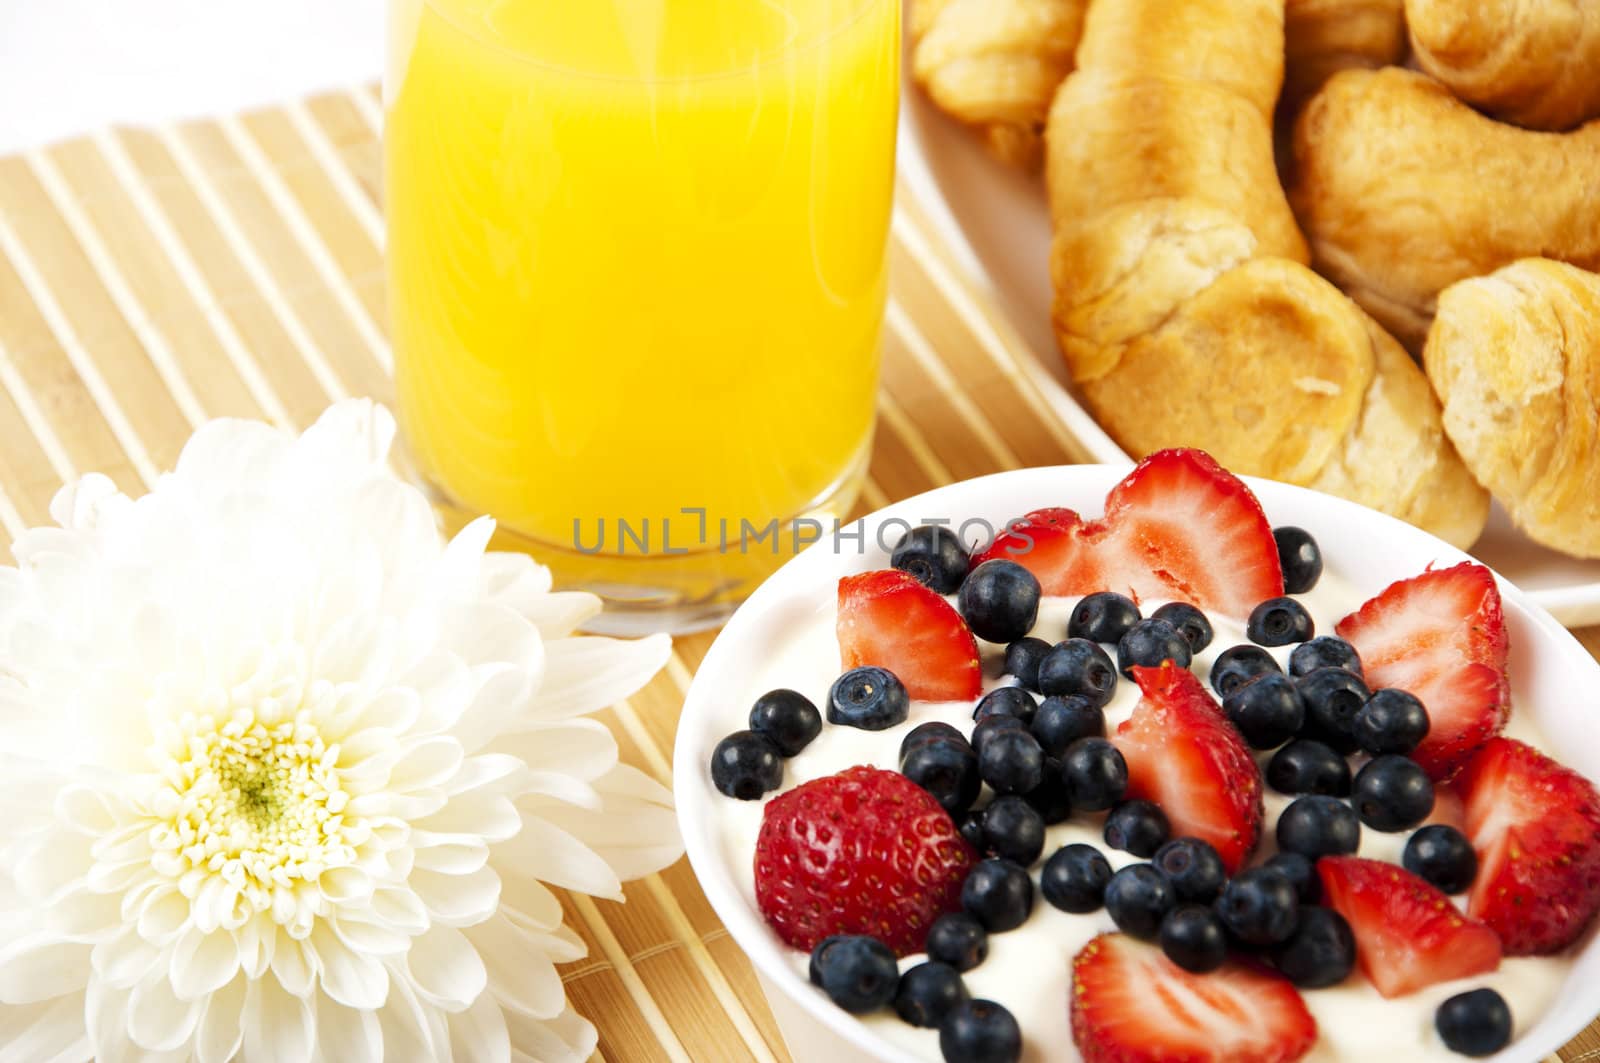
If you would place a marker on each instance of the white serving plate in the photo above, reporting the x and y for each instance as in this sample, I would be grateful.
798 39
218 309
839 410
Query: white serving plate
997 221
1370 550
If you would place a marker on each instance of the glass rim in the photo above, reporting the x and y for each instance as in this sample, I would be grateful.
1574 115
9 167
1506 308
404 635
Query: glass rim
764 61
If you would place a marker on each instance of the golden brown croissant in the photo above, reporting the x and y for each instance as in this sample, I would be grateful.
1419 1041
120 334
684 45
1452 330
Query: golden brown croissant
1182 302
1403 189
1515 357
1535 64
995 64
1323 37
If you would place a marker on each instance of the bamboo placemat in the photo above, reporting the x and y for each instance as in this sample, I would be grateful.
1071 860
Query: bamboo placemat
153 279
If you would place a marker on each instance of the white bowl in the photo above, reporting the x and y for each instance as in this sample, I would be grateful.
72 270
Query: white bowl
1552 676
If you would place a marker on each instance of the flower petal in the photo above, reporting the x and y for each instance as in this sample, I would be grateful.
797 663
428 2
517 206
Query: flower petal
345 1035
585 674
567 1038
277 1026
157 1019
407 1032
47 1032
636 832
521 976
426 764
458 900
294 965
583 749
350 979
400 908
39 966
124 959
445 968
221 1032
479 1035
545 850
203 963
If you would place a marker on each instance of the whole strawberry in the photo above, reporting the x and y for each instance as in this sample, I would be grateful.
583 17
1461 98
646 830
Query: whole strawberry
865 851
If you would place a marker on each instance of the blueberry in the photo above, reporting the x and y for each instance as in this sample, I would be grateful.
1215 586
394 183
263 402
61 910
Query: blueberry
1193 938
1061 721
998 894
820 954
1258 906
1324 651
1148 643
1096 774
746 765
1006 701
1278 622
927 992
1306 766
1440 854
1190 622
1000 601
1137 827
1267 710
1301 872
1333 696
1317 825
1300 558
859 974
1193 867
970 827
1476 1023
1023 658
1011 761
1074 878
948 769
869 698
1050 798
1391 721
933 556
1138 898
1321 952
1392 793
788 718
1013 830
1102 617
958 940
1237 665
932 731
1080 667
980 1031
990 726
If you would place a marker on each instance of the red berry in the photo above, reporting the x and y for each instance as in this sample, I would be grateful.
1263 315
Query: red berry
865 851
1535 827
890 620
1130 1004
1408 934
1184 755
1440 636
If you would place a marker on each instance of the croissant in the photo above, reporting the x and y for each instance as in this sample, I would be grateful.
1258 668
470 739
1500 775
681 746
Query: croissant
1323 37
1403 190
995 64
1515 357
1183 303
1537 65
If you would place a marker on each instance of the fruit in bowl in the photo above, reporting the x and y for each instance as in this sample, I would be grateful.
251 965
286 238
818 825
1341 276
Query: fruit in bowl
1221 790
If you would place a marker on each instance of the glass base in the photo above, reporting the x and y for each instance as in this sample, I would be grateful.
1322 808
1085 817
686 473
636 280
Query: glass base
680 592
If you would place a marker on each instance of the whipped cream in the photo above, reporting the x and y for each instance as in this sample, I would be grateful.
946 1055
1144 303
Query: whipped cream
1028 970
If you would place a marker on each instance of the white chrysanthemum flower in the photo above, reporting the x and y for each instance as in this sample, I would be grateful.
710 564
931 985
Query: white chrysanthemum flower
284 776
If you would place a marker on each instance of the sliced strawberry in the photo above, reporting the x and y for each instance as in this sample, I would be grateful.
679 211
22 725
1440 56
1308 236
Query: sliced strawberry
865 851
1408 934
1184 755
889 619
1130 1004
1442 637
1179 526
1535 826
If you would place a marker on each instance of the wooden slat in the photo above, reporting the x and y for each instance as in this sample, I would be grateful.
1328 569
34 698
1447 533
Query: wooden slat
152 279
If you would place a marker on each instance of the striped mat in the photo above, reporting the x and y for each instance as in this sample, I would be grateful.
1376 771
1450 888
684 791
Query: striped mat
152 279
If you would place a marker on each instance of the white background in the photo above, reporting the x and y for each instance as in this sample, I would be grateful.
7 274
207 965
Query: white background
68 66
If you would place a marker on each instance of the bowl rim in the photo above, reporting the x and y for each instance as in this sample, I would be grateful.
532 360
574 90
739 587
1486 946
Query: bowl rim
694 798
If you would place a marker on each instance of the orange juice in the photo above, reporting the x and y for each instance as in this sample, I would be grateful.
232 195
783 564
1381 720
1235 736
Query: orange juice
637 266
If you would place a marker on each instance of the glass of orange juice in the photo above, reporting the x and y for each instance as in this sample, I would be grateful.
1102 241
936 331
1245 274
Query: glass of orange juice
636 255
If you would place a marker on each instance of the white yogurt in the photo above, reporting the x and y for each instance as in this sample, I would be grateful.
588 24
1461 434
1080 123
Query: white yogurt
1028 970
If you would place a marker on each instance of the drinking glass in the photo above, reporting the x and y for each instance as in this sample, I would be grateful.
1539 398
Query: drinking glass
636 264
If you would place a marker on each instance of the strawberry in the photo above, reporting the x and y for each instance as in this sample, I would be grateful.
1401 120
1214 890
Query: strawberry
1408 934
1130 1004
1442 637
889 619
1535 826
1184 755
865 851
1179 526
